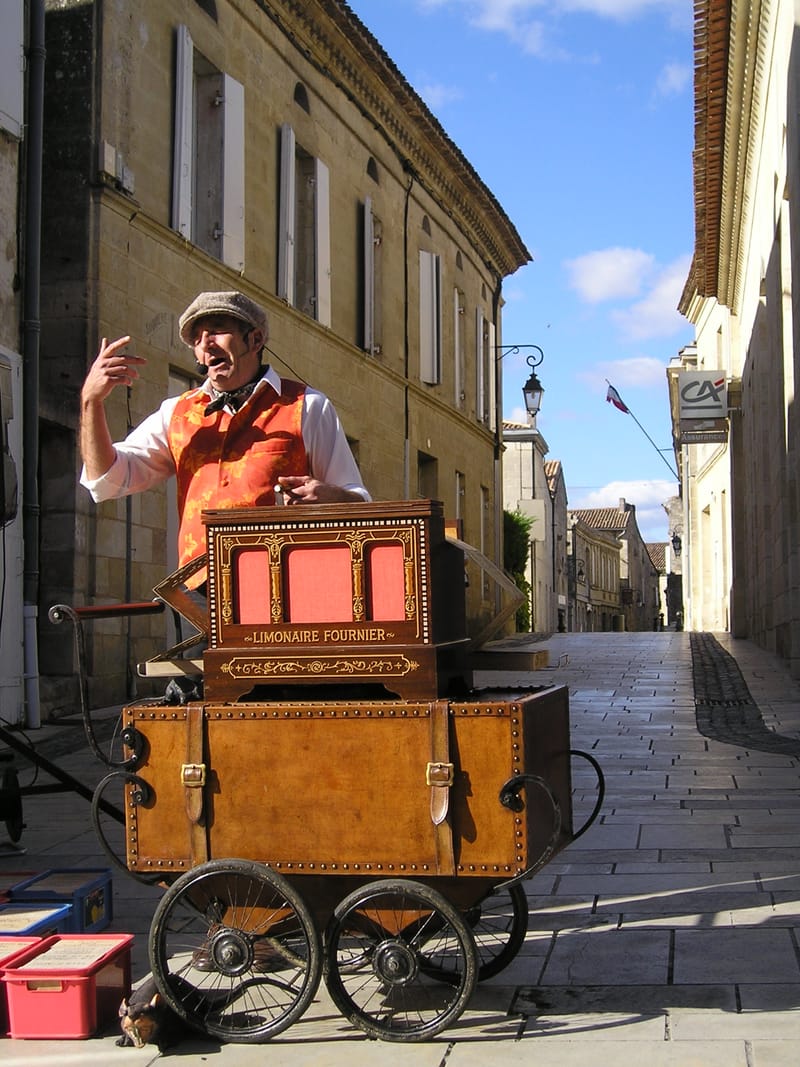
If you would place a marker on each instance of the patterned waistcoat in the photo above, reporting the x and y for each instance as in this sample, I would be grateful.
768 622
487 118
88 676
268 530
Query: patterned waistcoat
232 461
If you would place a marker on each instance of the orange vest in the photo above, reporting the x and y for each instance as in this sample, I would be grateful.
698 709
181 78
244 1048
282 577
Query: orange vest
232 461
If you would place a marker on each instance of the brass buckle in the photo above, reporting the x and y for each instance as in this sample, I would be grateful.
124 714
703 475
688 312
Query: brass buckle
193 775
440 774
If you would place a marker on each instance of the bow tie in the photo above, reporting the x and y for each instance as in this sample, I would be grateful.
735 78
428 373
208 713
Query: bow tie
235 398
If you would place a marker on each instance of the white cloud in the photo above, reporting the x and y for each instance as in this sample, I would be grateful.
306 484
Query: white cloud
610 273
656 314
640 372
673 79
438 96
648 497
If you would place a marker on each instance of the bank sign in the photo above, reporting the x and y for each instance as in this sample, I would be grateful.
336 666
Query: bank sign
703 406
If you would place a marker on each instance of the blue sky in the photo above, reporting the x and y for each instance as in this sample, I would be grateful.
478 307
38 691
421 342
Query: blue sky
578 115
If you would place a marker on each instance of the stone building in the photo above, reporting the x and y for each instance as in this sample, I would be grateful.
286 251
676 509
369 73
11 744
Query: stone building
638 579
535 487
275 148
593 567
741 494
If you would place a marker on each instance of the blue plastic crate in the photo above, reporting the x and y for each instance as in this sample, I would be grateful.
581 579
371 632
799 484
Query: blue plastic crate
30 919
87 890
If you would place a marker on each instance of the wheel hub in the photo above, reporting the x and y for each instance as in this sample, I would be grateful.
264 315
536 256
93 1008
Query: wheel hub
395 963
231 952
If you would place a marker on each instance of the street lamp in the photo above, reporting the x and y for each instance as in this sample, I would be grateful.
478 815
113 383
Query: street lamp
532 390
676 544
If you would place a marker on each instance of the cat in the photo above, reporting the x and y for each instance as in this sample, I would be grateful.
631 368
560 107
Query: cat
145 1019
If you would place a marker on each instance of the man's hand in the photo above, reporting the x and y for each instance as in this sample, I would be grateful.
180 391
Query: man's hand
112 367
301 489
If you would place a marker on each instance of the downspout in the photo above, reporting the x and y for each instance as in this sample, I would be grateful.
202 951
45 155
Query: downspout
498 436
407 167
31 329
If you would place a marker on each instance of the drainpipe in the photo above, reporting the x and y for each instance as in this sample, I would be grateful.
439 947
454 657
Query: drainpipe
30 357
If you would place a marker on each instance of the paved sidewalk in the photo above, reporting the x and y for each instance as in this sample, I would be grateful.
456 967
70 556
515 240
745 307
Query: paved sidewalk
668 934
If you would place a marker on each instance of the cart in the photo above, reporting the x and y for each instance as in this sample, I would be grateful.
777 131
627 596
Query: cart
343 803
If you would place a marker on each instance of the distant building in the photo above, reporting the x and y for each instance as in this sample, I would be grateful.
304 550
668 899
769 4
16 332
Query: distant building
535 487
593 567
638 579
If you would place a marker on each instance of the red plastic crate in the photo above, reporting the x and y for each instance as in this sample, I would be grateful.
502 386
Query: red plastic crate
69 986
10 949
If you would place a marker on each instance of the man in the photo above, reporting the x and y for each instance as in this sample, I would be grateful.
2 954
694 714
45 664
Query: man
229 442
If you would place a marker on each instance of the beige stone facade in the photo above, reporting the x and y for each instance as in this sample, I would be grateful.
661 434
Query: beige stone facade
741 496
313 178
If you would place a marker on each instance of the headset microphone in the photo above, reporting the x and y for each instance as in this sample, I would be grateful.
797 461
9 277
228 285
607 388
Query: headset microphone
201 368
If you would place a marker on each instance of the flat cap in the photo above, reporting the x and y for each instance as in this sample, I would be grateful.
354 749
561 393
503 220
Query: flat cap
236 304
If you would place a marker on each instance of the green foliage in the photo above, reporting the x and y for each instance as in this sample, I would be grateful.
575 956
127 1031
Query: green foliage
516 547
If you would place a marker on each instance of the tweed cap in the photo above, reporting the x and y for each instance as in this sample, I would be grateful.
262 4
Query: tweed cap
236 304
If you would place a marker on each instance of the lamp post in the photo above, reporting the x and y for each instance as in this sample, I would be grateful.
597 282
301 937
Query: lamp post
532 390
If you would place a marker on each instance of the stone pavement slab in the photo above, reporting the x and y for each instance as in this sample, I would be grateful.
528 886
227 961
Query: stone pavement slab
668 934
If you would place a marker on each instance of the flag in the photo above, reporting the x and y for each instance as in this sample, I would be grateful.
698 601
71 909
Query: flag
613 397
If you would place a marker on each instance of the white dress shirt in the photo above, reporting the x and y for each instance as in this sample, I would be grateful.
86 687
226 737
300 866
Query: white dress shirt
144 459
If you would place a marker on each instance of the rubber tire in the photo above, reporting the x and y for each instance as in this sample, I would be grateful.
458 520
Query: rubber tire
234 900
363 992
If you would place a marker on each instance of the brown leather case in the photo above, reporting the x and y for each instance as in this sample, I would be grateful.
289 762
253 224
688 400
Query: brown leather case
409 789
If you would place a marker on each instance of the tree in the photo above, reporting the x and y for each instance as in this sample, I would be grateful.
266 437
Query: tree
516 548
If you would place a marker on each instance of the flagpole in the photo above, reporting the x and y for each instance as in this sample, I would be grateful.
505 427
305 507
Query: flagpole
628 411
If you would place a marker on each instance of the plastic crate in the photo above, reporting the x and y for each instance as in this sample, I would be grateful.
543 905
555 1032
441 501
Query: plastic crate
68 986
10 949
9 879
27 919
87 890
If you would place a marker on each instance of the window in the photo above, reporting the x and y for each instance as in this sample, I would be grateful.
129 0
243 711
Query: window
459 367
430 318
461 490
427 476
486 386
208 175
373 273
304 253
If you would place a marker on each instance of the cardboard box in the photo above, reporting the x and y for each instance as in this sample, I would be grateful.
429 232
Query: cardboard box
87 890
26 919
68 986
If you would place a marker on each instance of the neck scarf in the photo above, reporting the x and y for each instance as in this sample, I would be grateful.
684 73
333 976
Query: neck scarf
234 399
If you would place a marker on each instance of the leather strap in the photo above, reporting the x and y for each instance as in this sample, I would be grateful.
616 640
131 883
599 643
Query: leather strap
193 777
440 779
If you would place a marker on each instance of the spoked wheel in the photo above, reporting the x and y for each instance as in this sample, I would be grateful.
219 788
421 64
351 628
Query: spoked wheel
234 950
499 925
400 961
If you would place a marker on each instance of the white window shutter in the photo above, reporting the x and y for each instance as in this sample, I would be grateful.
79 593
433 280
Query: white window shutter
286 216
12 65
430 332
492 366
458 370
233 174
369 277
480 380
322 241
183 163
